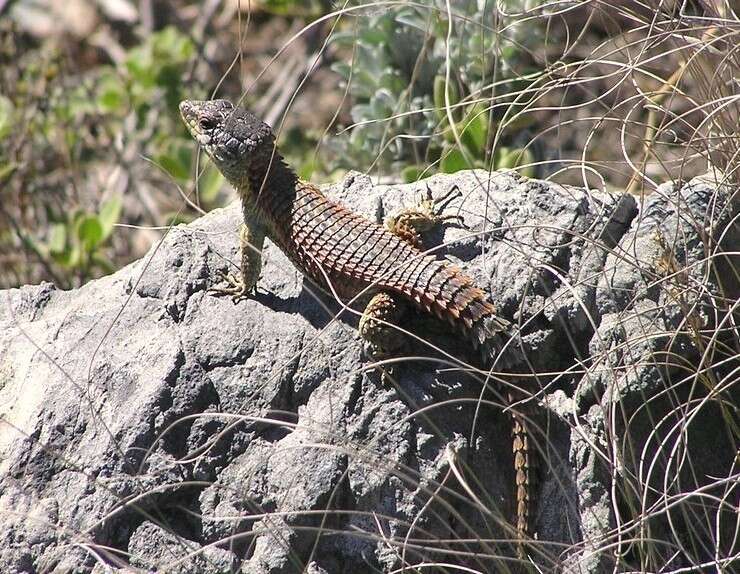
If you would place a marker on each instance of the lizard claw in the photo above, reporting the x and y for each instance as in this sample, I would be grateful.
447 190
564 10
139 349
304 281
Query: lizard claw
379 211
376 353
436 206
440 203
232 285
386 376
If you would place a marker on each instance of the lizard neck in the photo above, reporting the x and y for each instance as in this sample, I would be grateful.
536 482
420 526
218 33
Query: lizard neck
267 187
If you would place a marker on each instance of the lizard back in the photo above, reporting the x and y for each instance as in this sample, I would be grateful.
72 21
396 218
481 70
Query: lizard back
333 245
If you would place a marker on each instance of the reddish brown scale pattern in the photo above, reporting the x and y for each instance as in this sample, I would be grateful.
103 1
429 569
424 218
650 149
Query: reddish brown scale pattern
336 257
355 253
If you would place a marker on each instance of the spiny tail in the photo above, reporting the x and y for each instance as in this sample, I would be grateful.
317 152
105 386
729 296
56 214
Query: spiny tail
493 334
450 294
525 474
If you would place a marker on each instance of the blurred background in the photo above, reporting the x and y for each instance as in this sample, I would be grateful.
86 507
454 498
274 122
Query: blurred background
95 163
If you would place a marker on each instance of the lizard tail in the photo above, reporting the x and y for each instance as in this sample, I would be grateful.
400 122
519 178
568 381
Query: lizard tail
524 473
492 334
447 292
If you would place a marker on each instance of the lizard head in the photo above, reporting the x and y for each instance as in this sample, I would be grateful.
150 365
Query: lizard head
231 136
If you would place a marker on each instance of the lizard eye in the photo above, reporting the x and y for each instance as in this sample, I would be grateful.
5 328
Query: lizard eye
207 123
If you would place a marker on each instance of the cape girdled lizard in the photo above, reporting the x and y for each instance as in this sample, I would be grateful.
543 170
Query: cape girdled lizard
346 254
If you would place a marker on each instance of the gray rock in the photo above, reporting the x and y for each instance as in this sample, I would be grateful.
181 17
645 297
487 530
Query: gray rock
153 548
148 425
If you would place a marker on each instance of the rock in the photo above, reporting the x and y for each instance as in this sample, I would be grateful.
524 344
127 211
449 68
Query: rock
148 424
153 548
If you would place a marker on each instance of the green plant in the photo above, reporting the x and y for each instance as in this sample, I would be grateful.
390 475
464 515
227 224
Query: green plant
431 89
66 133
77 242
154 67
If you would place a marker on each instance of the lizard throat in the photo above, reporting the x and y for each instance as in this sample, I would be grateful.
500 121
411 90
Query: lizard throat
266 185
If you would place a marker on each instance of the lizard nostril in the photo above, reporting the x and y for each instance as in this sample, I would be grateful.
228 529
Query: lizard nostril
185 107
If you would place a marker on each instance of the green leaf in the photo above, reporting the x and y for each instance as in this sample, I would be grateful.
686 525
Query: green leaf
344 38
63 259
6 171
507 158
171 47
341 68
210 184
6 116
58 239
70 137
174 166
391 81
373 37
503 158
521 122
452 161
412 173
439 97
76 219
74 257
139 66
474 130
90 232
111 93
412 18
108 216
306 169
66 256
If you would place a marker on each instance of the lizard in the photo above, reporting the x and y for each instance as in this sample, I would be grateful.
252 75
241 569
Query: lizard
348 255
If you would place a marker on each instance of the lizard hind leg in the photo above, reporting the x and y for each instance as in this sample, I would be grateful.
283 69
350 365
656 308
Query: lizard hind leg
378 325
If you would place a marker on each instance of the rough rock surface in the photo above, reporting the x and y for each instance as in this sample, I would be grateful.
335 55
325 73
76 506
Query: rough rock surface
150 426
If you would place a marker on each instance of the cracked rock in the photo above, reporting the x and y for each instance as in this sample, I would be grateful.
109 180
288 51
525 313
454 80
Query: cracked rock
150 426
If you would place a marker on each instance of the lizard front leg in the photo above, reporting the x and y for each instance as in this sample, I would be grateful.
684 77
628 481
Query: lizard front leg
251 240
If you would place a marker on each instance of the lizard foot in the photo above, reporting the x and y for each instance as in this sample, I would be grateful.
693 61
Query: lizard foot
410 223
377 354
382 339
434 206
232 285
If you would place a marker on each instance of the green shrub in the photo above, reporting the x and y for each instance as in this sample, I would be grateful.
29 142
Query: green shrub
421 103
62 127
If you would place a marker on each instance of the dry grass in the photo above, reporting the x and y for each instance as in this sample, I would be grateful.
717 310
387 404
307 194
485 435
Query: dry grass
629 95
